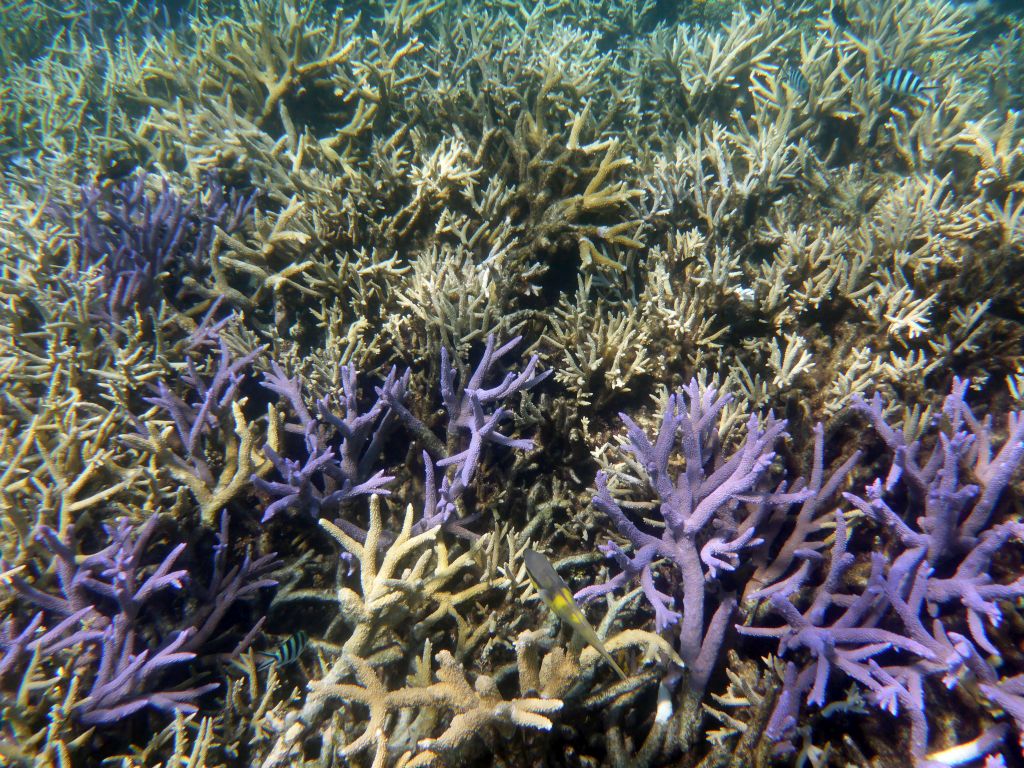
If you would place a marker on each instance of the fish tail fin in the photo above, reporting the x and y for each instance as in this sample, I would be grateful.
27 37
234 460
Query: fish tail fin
615 666
587 634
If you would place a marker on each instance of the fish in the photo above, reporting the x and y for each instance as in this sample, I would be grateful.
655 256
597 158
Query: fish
556 595
999 90
839 17
286 653
795 79
905 82
113 168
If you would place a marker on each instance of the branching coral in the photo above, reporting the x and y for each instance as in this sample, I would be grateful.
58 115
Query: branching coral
331 476
132 235
944 544
412 574
210 412
705 529
600 362
211 219
107 646
474 709
475 411
277 58
705 70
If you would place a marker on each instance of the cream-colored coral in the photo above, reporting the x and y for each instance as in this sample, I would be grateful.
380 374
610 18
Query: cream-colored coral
790 362
698 66
473 710
600 353
414 575
745 692
190 739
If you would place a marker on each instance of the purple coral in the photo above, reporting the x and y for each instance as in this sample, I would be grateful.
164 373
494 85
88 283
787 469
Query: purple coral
947 521
475 412
344 444
805 529
133 234
114 573
944 544
705 508
951 515
473 408
205 402
125 678
106 605
340 450
200 406
840 629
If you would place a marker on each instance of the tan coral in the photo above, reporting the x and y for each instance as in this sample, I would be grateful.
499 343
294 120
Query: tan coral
239 460
473 710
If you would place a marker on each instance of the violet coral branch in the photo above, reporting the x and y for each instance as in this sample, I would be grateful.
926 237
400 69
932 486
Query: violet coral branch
954 515
108 605
208 430
133 233
341 448
474 415
701 506
901 628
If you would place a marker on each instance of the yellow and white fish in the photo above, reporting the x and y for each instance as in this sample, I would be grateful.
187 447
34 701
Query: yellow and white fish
556 595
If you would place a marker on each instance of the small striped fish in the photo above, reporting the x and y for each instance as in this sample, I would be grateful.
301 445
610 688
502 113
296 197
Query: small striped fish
795 79
285 653
905 82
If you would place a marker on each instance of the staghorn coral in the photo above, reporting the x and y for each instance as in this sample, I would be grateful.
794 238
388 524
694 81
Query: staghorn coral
472 408
703 532
946 560
207 412
106 645
189 743
477 708
646 194
377 615
597 363
132 237
703 68
339 474
240 61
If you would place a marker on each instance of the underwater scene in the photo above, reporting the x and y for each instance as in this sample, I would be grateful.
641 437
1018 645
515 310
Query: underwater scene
556 383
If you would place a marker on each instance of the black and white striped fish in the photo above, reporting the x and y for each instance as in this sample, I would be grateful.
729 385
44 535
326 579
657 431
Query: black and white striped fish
795 79
285 653
905 82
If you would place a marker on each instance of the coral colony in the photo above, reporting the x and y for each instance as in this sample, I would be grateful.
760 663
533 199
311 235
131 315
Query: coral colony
470 383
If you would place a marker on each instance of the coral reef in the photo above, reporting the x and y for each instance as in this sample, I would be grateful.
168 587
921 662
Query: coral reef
698 299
